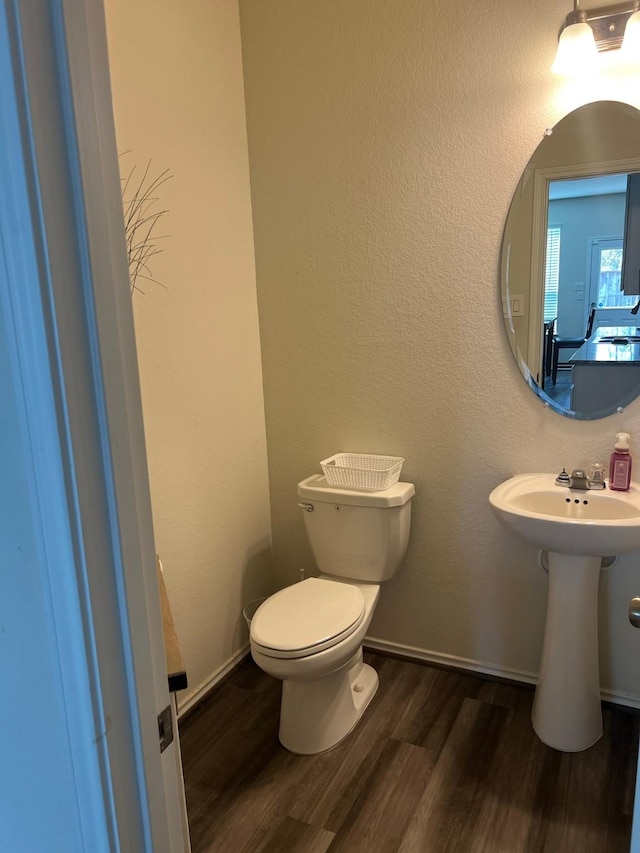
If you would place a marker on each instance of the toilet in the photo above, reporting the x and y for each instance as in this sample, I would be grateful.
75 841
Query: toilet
310 634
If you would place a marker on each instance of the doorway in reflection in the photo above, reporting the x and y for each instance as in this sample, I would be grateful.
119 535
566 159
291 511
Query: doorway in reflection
586 220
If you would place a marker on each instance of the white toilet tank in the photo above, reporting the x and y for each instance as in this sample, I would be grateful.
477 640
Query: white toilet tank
355 534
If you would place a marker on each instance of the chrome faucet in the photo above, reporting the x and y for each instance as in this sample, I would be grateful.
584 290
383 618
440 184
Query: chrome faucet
580 480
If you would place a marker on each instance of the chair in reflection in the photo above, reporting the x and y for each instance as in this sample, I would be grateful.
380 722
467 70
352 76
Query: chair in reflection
547 351
560 342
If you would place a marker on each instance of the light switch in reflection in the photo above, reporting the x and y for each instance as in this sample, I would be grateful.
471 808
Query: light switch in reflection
513 306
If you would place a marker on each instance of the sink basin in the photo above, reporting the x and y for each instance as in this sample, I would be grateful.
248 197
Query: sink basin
569 521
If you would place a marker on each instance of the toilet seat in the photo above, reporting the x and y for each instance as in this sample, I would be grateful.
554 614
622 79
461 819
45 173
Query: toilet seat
306 618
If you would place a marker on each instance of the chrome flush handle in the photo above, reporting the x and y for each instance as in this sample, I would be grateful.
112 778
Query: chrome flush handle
634 611
306 507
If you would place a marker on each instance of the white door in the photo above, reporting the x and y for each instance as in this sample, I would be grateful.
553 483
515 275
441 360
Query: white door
605 282
80 628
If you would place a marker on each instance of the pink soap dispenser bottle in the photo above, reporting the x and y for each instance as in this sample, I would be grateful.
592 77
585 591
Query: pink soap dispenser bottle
620 466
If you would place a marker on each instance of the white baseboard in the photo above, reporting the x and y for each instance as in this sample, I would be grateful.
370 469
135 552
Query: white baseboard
412 653
209 683
442 659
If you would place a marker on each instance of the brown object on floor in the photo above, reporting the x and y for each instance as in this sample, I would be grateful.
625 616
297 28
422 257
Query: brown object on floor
442 762
175 664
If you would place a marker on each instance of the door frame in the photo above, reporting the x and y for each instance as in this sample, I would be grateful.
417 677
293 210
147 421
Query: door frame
539 222
67 306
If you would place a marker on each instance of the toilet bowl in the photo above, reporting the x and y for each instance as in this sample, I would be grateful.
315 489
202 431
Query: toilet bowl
310 634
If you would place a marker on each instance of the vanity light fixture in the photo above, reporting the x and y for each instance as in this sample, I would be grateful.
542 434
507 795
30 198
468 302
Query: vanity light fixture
585 33
631 42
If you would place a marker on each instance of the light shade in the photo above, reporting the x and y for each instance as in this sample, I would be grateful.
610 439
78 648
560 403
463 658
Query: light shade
577 50
630 49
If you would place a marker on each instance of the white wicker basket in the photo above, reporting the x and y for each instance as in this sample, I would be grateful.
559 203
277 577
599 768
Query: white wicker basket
362 471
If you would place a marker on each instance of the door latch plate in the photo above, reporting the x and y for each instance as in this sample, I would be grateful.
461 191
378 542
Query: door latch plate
165 728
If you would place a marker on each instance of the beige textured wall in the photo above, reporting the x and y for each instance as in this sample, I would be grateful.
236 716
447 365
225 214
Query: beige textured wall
386 140
178 101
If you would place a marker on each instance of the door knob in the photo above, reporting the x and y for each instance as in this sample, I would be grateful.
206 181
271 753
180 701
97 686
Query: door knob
634 611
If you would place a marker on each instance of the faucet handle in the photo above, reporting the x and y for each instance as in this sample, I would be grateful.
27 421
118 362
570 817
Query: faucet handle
596 476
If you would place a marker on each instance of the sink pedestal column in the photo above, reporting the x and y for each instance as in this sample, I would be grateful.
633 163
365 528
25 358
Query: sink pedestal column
567 713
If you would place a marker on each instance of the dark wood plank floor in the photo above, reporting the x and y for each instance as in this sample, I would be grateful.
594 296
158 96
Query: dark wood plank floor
442 761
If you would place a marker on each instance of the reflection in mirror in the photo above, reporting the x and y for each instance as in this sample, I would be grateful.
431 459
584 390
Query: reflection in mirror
570 266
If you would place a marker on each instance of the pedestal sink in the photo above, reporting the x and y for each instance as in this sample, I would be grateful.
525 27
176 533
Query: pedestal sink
577 528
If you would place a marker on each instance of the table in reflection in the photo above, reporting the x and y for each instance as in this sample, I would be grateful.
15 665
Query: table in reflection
606 369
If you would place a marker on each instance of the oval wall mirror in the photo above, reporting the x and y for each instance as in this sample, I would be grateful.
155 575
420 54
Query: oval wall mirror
570 263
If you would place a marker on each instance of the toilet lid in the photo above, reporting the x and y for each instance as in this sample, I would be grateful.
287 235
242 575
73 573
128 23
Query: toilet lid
307 617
